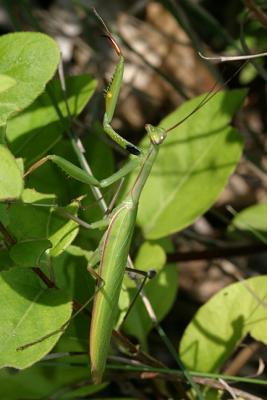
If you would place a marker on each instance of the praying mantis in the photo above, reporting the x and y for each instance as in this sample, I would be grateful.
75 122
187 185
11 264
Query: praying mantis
114 247
113 250
115 244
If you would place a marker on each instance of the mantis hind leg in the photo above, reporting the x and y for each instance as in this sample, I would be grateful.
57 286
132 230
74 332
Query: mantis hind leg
147 275
100 284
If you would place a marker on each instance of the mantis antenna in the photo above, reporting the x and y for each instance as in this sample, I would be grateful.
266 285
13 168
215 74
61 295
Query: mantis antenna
206 99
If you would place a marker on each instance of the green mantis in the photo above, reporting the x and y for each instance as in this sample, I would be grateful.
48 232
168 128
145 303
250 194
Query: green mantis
114 247
114 251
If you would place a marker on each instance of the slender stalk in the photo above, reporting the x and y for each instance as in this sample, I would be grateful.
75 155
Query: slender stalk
7 236
76 142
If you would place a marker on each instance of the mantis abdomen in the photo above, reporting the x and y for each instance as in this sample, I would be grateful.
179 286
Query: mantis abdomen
114 253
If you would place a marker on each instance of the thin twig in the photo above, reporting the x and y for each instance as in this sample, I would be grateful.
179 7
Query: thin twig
242 358
7 236
174 376
218 385
51 285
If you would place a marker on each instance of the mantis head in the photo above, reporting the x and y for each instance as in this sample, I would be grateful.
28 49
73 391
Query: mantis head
156 134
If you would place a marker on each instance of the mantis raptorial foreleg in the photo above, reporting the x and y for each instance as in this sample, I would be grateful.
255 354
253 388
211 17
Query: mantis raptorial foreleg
80 175
112 94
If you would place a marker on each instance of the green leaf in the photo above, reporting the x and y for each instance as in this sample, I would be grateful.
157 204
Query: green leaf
6 82
27 221
222 323
27 253
28 312
36 227
193 165
34 132
251 222
11 181
247 74
30 59
163 286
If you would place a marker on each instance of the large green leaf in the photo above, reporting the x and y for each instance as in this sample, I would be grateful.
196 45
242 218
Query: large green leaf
11 181
28 61
28 312
193 165
251 222
220 325
34 132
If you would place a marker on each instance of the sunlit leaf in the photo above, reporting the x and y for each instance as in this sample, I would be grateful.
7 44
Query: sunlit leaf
29 311
193 165
11 182
28 61
251 222
35 131
223 322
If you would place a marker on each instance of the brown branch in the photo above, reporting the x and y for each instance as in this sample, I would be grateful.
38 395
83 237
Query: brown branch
242 358
212 383
51 285
7 236
136 351
218 252
217 385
